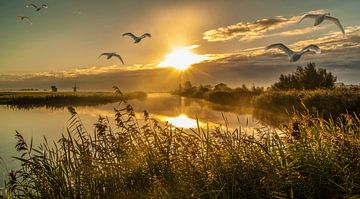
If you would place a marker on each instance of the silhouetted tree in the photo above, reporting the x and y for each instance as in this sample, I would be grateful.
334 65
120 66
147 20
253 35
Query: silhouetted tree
307 78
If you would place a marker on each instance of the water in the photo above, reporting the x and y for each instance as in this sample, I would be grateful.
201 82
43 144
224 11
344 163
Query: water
179 111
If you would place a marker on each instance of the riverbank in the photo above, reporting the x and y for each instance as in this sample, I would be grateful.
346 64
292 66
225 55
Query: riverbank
61 99
328 103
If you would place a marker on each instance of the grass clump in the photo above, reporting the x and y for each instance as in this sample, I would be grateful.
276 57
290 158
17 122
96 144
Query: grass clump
310 158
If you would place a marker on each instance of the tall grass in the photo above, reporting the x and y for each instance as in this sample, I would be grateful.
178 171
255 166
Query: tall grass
309 158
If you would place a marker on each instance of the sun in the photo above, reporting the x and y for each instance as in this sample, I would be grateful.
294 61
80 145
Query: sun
182 58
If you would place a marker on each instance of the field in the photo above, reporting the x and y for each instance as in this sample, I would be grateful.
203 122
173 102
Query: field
309 158
61 99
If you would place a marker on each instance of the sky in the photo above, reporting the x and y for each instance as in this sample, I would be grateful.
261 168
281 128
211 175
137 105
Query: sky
63 43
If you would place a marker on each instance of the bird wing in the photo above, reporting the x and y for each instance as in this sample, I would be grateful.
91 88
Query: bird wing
32 5
337 22
44 6
311 48
118 56
312 16
28 19
146 35
281 47
25 17
130 34
104 54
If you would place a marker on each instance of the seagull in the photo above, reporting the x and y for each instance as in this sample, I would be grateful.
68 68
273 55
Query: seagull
37 8
137 39
319 18
110 55
295 56
22 18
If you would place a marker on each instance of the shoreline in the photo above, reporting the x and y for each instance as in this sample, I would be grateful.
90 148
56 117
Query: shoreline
59 99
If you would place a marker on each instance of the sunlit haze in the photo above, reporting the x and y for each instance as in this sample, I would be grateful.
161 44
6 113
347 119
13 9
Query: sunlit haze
182 58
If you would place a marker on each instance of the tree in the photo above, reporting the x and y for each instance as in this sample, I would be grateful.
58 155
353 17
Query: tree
307 78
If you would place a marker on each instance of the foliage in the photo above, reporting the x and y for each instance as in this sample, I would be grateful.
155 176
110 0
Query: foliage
307 78
309 158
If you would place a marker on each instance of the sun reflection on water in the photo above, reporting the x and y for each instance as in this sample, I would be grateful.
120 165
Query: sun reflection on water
182 121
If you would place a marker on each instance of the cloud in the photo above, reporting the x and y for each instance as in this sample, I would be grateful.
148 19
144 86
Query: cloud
301 31
334 40
245 31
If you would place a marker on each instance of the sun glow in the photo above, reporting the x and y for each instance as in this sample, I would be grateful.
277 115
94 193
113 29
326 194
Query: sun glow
182 121
182 58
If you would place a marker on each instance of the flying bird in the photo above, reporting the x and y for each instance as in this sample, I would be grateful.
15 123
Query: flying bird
37 8
137 39
319 18
110 55
295 56
24 18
